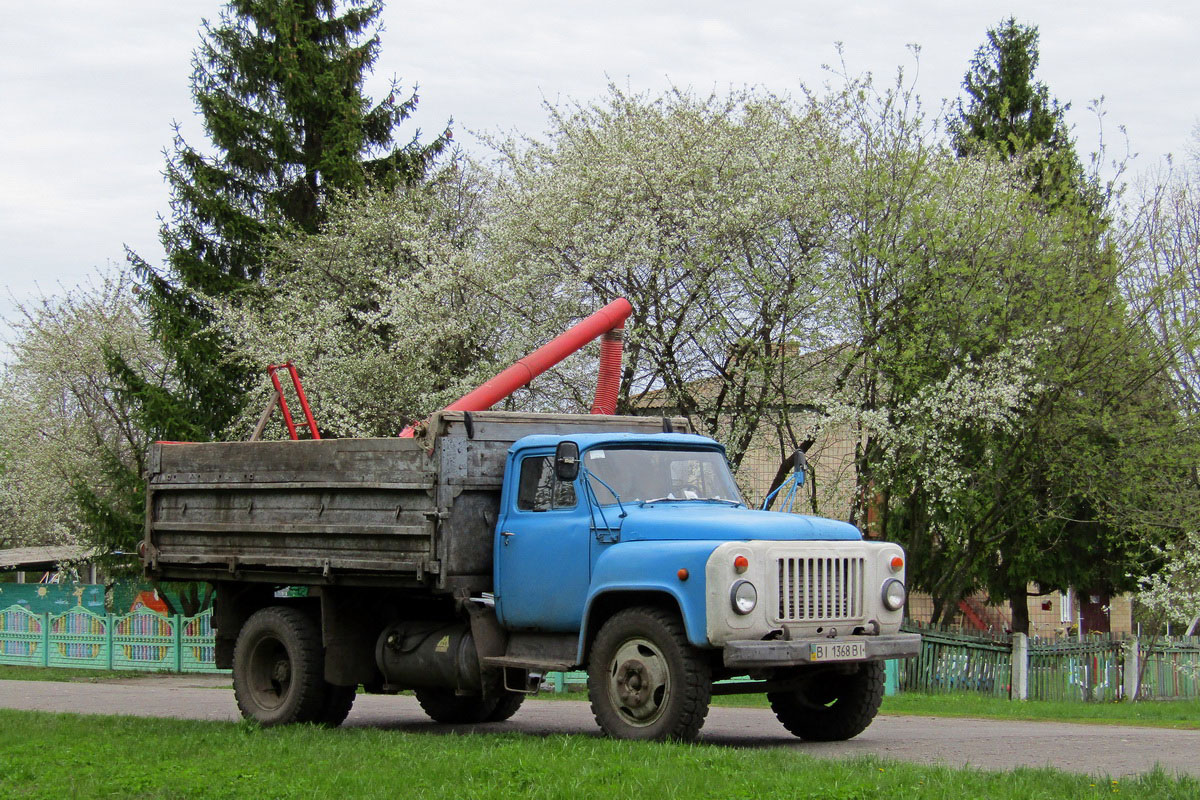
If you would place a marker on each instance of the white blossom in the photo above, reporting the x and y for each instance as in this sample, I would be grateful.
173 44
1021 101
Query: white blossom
60 418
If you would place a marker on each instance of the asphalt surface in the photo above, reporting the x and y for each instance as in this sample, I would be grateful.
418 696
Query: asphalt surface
1110 750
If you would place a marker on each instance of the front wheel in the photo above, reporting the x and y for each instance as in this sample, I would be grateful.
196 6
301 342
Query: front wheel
831 707
644 679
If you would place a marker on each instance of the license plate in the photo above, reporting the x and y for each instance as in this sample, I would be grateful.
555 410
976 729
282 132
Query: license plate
838 651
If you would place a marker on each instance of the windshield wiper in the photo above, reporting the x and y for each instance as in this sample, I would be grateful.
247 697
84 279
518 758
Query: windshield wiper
589 476
693 500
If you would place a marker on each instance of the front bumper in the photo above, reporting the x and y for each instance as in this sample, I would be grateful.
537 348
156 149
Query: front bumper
756 654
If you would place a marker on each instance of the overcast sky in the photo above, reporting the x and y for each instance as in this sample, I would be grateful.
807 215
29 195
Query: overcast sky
89 89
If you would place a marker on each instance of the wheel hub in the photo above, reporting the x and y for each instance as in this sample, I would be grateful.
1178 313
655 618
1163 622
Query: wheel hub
639 681
269 673
632 685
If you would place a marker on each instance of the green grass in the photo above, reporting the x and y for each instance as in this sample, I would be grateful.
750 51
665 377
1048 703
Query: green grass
11 673
16 673
1182 714
1157 714
63 755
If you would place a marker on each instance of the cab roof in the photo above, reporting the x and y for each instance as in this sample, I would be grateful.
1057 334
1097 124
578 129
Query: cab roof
586 441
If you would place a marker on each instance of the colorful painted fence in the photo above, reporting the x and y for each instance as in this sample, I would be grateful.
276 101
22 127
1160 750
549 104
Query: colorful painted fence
54 598
143 640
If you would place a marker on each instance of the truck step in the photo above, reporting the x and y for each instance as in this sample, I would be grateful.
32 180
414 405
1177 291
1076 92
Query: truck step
532 664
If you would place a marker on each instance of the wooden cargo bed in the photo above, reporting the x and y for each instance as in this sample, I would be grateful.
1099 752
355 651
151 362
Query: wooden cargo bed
394 512
319 508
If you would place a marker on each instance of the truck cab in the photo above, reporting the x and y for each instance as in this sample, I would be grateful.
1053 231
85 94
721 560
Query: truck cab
604 532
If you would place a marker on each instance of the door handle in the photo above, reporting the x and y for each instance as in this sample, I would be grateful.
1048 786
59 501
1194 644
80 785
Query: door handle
506 534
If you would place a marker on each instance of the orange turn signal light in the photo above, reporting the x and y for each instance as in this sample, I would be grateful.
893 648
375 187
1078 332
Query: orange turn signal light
683 574
897 563
741 564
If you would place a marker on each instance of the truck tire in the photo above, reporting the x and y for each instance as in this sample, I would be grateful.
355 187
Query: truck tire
338 701
645 681
832 707
278 668
443 705
506 706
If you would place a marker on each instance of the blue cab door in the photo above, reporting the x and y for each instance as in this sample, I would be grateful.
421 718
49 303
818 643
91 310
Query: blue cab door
542 558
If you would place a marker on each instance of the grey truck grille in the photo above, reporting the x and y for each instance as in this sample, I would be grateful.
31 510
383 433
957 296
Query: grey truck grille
820 589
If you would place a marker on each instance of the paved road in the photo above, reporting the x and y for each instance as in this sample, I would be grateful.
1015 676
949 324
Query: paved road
991 744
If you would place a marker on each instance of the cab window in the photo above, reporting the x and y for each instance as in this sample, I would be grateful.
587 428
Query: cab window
538 488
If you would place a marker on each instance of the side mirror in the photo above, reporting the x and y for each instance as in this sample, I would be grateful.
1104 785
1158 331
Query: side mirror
566 461
800 466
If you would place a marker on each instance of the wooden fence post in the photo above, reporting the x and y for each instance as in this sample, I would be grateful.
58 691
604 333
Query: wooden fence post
1020 666
1131 669
108 638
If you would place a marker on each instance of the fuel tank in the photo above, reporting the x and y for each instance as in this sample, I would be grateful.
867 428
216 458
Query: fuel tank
428 654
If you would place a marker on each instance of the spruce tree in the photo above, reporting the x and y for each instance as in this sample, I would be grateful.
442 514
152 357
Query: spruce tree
279 87
1066 534
278 84
1010 112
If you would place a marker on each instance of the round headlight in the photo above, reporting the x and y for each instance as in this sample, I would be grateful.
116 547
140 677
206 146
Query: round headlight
893 594
743 596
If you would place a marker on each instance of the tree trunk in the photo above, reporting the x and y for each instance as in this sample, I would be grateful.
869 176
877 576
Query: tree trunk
936 617
1018 600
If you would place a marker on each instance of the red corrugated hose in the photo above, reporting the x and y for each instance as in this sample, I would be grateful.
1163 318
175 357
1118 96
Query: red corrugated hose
608 382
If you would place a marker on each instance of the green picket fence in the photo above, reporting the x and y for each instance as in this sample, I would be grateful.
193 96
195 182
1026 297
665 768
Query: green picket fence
1172 668
957 662
1091 669
143 640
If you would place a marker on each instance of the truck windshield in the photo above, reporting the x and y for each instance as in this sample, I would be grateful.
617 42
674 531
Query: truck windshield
640 474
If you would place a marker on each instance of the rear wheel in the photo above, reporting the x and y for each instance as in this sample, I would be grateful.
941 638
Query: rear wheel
644 679
506 705
832 707
338 701
278 668
443 705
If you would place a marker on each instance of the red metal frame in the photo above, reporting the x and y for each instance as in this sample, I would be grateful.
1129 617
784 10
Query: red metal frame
309 421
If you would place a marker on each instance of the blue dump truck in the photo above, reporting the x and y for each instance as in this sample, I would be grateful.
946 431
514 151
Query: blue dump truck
491 548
